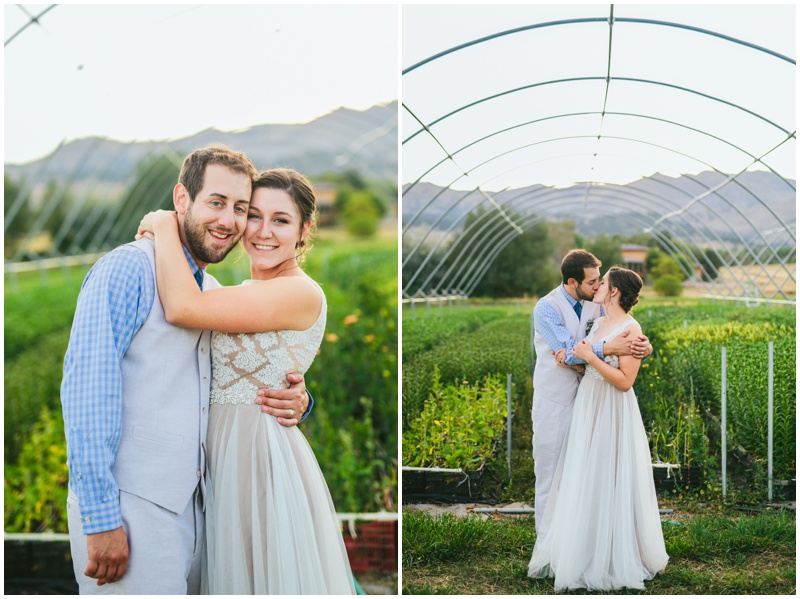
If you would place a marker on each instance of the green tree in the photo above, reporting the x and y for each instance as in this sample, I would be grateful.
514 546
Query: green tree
607 249
667 266
350 183
668 285
156 176
361 215
523 267
21 219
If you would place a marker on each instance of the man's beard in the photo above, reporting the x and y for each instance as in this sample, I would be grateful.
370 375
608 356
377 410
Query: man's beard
582 295
195 240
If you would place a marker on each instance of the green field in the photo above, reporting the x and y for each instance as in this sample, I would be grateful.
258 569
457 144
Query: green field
678 390
353 428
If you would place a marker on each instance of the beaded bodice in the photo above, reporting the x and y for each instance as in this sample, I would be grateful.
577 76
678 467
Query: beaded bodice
611 360
243 363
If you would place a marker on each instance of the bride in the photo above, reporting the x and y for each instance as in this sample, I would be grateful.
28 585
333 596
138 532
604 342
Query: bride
604 531
271 527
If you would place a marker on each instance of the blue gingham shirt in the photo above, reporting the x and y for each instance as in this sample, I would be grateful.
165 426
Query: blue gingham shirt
547 322
114 302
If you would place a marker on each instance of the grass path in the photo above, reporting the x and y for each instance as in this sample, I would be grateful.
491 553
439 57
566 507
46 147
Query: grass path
710 553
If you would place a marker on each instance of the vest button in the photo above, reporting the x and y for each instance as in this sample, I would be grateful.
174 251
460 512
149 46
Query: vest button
205 380
199 474
204 410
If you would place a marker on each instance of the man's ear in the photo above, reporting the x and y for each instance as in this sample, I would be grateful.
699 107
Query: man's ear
572 283
181 199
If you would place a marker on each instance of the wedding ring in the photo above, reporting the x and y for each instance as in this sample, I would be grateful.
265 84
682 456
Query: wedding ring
291 413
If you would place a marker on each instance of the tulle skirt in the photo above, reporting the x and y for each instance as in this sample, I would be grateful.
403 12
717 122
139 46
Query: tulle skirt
271 527
604 529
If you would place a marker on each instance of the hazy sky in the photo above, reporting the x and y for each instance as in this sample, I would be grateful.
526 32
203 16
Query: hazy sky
560 150
158 72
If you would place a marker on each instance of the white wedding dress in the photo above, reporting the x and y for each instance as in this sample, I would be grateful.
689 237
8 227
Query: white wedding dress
604 530
271 527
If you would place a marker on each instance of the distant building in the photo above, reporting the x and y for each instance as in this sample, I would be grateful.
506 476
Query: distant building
326 204
633 257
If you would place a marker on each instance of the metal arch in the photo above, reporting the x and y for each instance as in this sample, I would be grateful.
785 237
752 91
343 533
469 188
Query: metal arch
732 255
746 244
575 198
559 193
721 217
66 226
536 195
594 20
90 223
47 212
533 219
438 220
630 193
654 145
130 213
33 20
593 78
632 215
595 113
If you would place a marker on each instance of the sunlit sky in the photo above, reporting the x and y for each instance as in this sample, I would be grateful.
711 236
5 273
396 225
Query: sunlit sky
141 72
563 150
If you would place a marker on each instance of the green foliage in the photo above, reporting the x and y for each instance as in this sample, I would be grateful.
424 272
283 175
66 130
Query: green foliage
156 176
687 367
33 313
668 285
353 429
676 430
667 267
35 489
710 554
22 216
423 332
361 214
428 540
499 347
458 426
521 268
607 249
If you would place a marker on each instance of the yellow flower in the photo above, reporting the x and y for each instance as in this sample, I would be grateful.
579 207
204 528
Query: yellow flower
351 319
332 337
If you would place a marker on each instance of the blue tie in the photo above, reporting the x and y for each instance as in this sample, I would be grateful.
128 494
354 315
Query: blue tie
578 309
198 276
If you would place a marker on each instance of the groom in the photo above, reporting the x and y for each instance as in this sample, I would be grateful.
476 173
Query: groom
135 397
561 319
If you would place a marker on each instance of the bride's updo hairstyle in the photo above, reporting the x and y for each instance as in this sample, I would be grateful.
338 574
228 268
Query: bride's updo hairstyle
299 189
629 285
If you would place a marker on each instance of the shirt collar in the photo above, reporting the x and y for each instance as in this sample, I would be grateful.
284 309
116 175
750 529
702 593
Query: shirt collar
572 301
192 262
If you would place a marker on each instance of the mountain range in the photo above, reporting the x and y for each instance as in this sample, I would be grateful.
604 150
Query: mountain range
344 139
744 209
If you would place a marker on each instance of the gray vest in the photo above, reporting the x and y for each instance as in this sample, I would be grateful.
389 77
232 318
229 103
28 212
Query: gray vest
166 375
550 381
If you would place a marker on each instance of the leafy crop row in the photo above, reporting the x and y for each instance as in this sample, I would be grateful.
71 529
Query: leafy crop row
353 428
684 377
458 426
421 334
499 347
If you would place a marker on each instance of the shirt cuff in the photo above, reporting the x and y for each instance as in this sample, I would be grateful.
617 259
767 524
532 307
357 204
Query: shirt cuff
598 349
101 517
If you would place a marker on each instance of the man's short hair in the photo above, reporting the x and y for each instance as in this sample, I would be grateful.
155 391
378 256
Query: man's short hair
194 166
574 262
